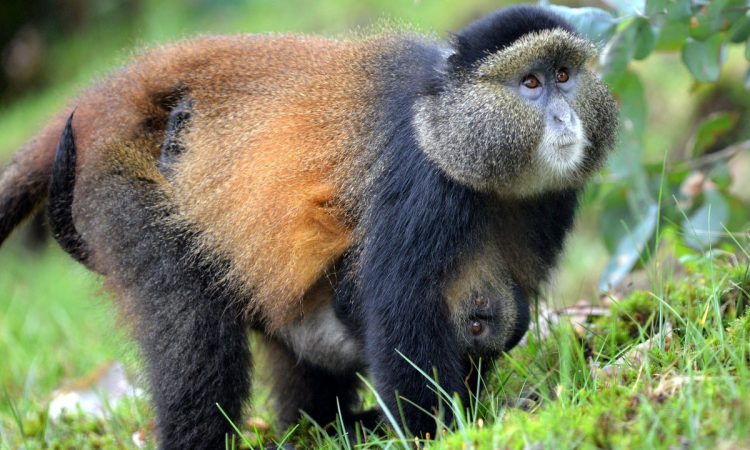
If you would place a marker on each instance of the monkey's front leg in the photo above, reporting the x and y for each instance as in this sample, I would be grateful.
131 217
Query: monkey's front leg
402 309
420 332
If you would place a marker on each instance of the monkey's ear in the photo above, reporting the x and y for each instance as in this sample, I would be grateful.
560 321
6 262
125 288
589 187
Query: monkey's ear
462 57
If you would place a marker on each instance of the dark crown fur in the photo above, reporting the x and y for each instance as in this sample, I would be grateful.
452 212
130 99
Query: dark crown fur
498 30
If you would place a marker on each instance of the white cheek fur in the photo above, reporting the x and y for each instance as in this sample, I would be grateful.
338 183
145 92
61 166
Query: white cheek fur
561 154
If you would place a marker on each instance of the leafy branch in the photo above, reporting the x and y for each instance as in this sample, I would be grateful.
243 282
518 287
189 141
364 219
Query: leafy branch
638 197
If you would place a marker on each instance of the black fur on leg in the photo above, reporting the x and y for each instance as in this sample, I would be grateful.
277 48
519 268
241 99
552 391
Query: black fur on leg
419 227
415 227
300 387
188 323
189 326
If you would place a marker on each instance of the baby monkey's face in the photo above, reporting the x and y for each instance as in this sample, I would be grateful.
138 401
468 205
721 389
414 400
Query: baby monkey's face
490 312
493 321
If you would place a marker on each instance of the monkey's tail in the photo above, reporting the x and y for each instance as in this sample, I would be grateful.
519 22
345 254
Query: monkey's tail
25 182
60 202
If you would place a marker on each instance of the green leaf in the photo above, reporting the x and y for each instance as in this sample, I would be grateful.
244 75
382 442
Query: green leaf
705 226
631 94
747 80
740 29
629 249
747 49
656 7
672 18
721 176
625 163
595 24
679 10
672 36
645 38
626 160
662 12
616 211
703 59
711 129
708 20
628 7
618 52
733 12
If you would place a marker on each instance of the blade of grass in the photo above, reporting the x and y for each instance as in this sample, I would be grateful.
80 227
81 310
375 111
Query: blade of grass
234 427
387 413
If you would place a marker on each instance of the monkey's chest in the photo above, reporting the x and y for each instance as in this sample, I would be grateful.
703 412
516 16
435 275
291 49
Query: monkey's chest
322 340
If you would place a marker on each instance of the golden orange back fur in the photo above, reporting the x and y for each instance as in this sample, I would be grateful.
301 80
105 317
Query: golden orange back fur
275 128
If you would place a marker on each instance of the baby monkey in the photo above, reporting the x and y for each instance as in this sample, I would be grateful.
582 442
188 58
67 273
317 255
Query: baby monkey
358 202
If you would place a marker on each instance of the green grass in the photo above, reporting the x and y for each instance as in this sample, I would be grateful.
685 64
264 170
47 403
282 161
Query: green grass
600 386
54 327
579 387
49 313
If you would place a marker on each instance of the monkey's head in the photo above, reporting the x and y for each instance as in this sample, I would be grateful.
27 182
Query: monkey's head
519 112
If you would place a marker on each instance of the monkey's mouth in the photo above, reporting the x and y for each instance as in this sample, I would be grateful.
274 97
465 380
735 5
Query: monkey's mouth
566 150
566 141
562 155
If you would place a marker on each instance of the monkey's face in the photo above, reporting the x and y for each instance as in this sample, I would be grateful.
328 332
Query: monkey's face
527 119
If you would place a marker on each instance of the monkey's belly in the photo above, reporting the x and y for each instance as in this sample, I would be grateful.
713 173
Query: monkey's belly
322 340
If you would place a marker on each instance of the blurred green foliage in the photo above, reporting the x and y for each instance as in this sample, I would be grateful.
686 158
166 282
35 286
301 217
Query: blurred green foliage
639 197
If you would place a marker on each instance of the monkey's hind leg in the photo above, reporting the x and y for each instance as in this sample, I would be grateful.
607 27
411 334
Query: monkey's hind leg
198 361
189 329
187 323
198 358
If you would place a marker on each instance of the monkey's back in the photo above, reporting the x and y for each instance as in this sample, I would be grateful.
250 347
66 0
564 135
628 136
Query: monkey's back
267 153
278 125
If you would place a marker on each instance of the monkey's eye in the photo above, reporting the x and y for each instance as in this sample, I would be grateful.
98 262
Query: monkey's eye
531 82
562 75
476 327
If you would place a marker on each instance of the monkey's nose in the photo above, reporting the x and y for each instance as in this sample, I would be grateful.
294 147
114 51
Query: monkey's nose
563 117
561 113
